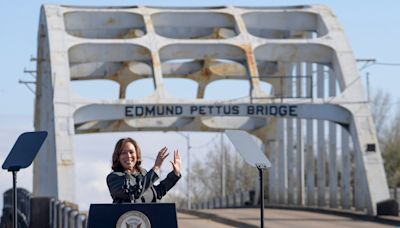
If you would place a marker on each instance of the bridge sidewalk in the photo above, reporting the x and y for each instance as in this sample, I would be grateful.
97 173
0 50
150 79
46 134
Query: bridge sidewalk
250 217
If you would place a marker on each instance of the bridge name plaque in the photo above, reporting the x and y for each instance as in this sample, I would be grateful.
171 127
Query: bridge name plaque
145 110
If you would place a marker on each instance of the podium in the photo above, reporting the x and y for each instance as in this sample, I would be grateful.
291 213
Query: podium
146 215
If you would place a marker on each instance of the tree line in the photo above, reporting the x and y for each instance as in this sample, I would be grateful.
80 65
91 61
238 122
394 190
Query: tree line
387 125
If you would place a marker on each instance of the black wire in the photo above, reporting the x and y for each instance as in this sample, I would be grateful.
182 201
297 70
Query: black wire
387 64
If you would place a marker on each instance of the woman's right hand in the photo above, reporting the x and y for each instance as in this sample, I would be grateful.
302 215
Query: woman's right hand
162 154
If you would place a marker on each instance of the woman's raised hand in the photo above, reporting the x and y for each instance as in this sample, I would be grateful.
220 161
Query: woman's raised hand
176 164
162 154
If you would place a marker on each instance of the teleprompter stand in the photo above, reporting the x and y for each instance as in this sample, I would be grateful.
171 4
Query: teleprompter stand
252 154
21 156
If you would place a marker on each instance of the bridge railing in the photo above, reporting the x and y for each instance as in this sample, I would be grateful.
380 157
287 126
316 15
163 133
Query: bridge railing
239 199
245 199
52 213
41 212
23 210
395 194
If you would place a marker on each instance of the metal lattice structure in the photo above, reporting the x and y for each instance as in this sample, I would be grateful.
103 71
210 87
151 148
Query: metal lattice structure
315 122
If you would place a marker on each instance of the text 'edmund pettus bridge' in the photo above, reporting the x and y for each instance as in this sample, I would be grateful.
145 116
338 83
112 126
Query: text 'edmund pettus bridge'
210 110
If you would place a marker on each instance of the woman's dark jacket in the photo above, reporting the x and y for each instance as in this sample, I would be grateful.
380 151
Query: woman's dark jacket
139 187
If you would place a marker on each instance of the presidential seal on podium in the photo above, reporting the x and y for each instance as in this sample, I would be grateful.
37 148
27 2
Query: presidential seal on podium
133 219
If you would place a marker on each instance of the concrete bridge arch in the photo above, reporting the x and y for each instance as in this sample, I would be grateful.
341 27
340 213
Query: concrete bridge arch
315 117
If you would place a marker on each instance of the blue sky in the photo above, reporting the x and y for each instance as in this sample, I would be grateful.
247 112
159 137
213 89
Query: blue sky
371 28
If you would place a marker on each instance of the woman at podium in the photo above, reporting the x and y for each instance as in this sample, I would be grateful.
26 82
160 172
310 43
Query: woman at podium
130 183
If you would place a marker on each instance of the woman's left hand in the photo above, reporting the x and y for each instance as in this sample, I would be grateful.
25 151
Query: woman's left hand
176 164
